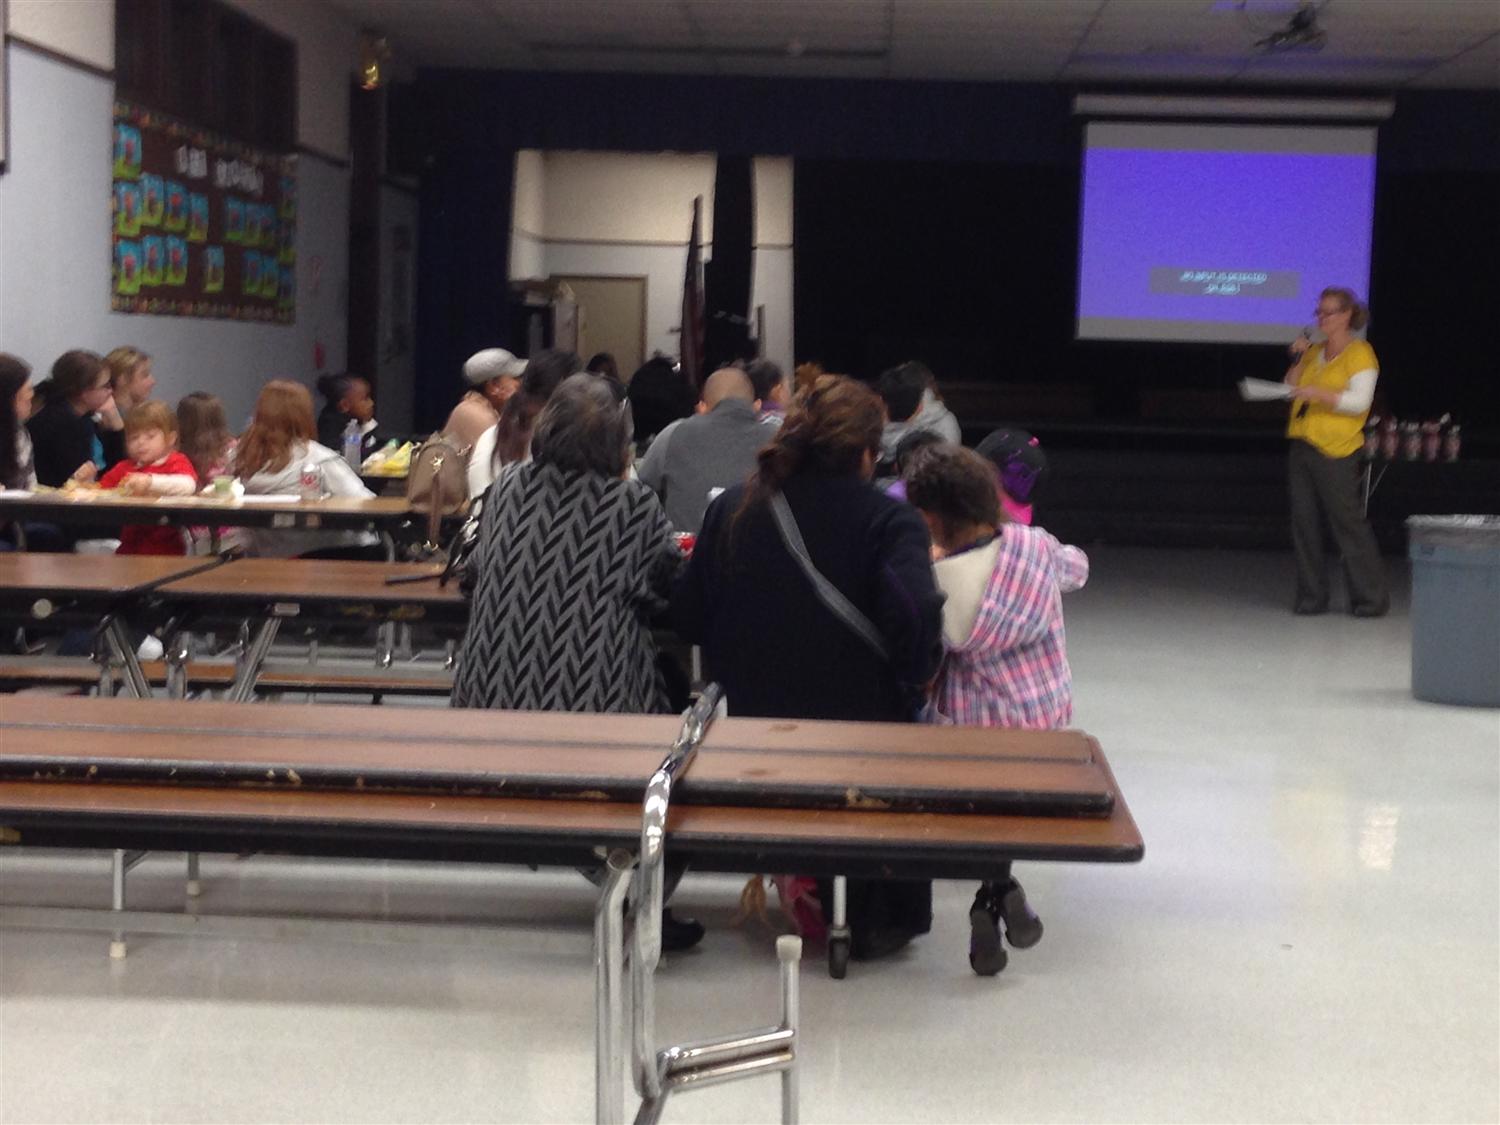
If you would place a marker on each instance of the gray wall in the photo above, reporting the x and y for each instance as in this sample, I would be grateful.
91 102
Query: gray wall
55 253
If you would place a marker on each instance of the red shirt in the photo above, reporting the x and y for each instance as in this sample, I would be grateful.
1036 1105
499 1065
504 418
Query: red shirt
145 539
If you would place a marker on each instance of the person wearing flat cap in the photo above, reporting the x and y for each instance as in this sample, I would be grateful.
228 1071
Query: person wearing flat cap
492 376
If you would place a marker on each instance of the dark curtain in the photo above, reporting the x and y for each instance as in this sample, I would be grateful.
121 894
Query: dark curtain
463 263
994 308
727 275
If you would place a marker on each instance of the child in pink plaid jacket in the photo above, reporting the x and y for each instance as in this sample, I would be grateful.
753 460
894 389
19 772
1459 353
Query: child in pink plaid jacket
1005 661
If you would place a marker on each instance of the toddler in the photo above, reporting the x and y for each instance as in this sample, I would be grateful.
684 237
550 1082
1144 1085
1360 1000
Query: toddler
153 467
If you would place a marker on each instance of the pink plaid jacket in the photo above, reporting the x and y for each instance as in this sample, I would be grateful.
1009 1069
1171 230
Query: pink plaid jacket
1012 671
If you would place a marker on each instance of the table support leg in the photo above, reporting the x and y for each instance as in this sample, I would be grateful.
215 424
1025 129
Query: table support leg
789 952
119 639
385 643
839 939
104 657
609 999
122 861
179 648
194 883
250 664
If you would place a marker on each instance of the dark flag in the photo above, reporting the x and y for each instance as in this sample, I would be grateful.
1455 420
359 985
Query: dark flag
693 318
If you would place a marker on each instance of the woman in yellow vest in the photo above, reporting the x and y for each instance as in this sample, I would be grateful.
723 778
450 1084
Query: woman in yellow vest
1332 385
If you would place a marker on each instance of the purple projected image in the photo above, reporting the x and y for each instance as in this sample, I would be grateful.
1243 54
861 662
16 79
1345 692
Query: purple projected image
1219 239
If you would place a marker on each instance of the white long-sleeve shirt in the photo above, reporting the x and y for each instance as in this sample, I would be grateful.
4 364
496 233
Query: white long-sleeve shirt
338 480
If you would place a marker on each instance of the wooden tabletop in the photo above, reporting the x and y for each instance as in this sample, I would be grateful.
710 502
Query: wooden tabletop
96 506
35 574
321 580
745 763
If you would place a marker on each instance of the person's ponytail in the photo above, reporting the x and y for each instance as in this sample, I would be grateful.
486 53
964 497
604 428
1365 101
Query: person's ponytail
829 428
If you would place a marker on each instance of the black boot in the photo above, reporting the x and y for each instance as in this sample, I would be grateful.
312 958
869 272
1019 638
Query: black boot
1023 928
678 934
986 956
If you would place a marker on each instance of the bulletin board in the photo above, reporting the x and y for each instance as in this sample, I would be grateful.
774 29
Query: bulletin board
202 225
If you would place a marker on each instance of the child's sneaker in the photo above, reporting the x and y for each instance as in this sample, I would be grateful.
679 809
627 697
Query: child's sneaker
1023 928
986 956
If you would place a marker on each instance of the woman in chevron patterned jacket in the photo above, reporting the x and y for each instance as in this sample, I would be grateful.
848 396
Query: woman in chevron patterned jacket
572 562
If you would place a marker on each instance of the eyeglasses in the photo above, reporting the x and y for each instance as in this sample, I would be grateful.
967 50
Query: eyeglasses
1322 313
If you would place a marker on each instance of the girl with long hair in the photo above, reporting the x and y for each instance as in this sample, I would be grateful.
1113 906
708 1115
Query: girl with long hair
17 470
269 459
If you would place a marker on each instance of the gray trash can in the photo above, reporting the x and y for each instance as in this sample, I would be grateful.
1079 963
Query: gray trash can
1455 609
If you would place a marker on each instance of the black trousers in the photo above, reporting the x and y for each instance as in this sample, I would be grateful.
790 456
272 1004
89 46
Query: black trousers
1327 489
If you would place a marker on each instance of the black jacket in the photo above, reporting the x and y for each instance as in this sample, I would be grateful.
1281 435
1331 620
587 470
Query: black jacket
62 440
332 423
776 649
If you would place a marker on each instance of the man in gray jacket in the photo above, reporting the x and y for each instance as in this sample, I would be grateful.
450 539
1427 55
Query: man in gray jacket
708 452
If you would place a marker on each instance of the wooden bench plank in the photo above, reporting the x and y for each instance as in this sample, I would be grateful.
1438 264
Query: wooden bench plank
80 672
925 845
324 756
542 728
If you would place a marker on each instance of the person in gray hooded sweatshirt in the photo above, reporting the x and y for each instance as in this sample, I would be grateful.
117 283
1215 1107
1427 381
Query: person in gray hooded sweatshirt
911 403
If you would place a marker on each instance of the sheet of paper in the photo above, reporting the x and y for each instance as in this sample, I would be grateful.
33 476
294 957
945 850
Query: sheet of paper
271 498
1263 390
15 494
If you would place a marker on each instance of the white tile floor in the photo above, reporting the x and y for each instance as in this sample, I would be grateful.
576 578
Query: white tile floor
1314 934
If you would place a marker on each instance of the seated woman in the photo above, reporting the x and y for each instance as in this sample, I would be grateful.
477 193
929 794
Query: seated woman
508 442
130 384
17 466
64 436
813 596
569 550
17 469
572 562
269 459
492 376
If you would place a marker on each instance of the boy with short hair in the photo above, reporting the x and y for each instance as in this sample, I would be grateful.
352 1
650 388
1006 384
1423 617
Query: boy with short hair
152 466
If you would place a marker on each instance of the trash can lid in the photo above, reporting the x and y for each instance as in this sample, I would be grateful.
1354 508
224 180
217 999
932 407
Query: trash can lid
1455 530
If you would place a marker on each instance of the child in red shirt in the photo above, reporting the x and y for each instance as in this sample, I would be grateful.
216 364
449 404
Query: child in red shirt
154 467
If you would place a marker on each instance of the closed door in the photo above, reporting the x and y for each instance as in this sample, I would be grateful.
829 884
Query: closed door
611 318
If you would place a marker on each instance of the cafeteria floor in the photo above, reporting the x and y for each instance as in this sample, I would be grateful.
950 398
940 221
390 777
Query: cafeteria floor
1313 936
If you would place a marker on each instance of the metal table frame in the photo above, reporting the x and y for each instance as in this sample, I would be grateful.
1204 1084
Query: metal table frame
657 1073
627 938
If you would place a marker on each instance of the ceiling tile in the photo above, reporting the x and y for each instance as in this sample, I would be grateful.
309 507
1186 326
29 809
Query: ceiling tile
806 68
628 62
1383 42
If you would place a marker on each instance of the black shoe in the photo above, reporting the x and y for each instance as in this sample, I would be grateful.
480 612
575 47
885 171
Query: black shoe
986 956
678 934
874 942
1306 607
1379 609
1023 928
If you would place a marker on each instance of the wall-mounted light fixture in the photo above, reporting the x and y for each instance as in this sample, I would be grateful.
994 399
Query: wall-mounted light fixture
374 54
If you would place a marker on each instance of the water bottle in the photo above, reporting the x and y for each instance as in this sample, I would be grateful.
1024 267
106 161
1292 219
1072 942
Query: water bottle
351 445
